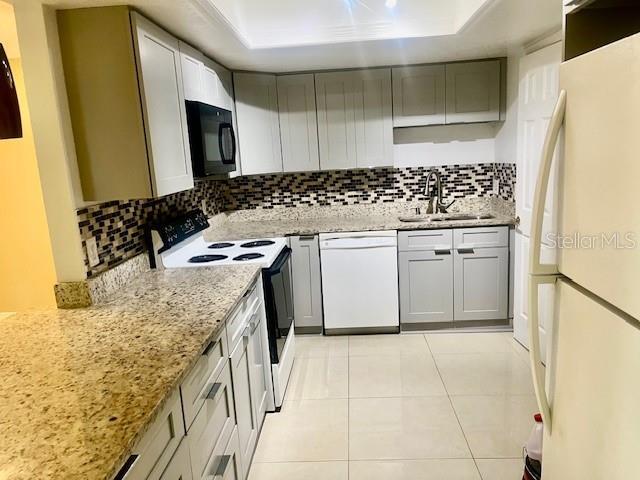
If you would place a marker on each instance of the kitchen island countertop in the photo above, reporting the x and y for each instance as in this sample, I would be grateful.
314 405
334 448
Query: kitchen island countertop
78 388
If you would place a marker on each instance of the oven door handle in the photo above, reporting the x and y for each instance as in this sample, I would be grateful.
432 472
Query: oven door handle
280 262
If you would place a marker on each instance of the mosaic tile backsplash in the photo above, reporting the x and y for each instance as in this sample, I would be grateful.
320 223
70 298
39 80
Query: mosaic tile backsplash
119 226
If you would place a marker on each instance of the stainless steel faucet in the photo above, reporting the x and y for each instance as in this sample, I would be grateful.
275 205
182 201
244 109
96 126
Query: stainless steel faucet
435 203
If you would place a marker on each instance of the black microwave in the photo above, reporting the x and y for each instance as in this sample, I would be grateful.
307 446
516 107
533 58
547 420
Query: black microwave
211 138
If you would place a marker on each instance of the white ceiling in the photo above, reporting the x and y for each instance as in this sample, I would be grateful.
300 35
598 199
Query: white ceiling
292 23
297 35
8 35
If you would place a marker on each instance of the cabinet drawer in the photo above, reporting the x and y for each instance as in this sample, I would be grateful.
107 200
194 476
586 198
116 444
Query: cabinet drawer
421 240
198 382
238 321
481 237
153 452
225 463
213 424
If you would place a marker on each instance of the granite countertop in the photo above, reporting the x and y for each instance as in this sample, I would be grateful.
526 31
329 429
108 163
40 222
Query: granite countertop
273 227
78 388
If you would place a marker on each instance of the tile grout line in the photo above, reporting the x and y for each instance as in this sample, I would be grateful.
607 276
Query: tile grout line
453 407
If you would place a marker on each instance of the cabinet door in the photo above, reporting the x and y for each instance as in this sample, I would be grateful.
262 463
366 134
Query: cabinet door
426 286
258 124
221 82
418 95
336 120
373 116
473 92
481 289
258 367
245 412
307 289
191 63
298 124
160 77
179 467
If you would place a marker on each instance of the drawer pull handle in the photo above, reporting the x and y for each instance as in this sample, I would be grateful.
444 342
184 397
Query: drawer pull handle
207 350
222 466
215 388
306 238
443 252
465 251
128 465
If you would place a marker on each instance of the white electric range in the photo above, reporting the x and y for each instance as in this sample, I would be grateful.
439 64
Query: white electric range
180 243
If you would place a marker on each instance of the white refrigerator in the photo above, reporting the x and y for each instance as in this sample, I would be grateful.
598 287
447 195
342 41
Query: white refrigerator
590 400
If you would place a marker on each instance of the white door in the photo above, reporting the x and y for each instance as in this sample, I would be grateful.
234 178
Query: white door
298 124
335 96
258 124
538 92
164 108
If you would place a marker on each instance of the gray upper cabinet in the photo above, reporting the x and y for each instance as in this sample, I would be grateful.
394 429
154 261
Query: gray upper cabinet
298 124
418 95
142 130
335 94
355 126
258 124
307 289
473 91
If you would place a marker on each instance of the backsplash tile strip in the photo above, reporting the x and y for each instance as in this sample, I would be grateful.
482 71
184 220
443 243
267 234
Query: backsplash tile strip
119 225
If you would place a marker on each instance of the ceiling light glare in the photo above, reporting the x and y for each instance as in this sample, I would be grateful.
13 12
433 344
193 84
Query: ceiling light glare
391 3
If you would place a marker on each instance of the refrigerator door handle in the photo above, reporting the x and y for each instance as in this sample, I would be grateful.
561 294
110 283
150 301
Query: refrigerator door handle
539 273
542 184
537 370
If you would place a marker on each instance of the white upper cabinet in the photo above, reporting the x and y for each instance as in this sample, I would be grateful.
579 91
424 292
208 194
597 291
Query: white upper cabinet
473 92
298 124
355 128
204 80
258 124
140 130
160 77
418 95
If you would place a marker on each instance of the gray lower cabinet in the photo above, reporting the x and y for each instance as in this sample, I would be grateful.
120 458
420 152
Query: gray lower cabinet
245 412
307 284
179 467
426 280
481 283
453 275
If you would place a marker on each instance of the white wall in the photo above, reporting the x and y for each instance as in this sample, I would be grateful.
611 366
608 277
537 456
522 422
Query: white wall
444 145
507 132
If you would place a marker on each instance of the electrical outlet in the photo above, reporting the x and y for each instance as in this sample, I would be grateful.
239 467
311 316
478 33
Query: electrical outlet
92 252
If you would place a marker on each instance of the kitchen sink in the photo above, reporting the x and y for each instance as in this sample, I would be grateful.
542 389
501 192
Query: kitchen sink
446 217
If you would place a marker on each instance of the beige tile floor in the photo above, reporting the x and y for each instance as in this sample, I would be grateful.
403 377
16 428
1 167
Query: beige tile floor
409 407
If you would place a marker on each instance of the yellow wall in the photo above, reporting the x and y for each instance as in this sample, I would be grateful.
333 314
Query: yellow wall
27 271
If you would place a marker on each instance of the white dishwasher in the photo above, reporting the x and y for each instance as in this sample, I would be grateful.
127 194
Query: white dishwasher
360 282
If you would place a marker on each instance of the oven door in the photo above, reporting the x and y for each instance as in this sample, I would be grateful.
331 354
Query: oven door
278 299
211 138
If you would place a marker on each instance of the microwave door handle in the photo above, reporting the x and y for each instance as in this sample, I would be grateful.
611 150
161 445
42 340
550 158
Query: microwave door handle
221 129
